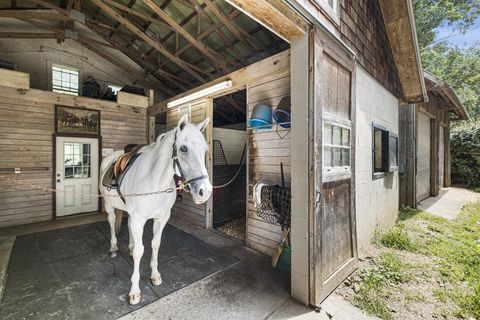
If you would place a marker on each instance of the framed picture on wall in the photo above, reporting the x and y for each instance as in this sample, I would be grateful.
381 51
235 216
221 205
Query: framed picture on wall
77 120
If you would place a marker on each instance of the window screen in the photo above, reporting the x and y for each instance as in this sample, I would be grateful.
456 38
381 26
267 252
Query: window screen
65 80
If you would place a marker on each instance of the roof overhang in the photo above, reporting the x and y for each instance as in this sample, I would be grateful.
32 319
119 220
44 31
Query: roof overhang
400 27
442 89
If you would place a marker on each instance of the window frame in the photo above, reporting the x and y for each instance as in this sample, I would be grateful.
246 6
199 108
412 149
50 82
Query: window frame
386 138
338 172
64 67
332 13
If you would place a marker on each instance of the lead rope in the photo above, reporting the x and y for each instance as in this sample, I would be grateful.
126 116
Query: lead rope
236 174
168 190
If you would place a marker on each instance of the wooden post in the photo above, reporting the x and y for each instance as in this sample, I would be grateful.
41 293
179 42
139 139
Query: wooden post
209 138
150 119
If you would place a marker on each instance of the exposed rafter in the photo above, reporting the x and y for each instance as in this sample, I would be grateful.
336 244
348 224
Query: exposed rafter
150 41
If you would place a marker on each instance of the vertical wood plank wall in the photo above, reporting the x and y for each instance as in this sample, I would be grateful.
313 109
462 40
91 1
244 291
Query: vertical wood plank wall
26 141
266 151
186 209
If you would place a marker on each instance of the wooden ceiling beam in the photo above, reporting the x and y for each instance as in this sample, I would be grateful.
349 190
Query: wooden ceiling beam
113 60
34 14
214 57
137 58
48 5
230 25
135 13
153 43
28 35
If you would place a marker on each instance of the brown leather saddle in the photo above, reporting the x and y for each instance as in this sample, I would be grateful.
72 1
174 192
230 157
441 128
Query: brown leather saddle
116 172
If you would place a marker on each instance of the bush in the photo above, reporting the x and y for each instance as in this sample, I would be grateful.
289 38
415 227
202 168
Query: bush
465 153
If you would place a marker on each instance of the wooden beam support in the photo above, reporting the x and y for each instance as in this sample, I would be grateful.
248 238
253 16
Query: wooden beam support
27 35
33 14
135 13
212 56
155 44
275 15
48 5
230 25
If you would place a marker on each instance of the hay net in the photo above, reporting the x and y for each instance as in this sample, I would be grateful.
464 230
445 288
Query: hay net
273 203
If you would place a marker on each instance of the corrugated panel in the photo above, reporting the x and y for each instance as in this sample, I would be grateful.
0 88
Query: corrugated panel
423 157
441 156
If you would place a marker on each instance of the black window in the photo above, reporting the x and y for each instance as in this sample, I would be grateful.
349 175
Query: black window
385 150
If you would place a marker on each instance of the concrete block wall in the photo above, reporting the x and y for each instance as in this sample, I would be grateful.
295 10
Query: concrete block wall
376 199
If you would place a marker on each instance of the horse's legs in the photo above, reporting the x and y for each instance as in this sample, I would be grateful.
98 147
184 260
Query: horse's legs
113 238
158 225
136 230
130 239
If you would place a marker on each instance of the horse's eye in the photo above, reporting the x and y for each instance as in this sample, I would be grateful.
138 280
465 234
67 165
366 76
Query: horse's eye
183 149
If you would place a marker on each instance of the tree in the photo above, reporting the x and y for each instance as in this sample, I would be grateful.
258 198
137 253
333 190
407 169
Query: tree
460 15
460 67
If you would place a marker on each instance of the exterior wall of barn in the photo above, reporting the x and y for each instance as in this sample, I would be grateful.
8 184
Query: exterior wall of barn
440 124
27 125
376 198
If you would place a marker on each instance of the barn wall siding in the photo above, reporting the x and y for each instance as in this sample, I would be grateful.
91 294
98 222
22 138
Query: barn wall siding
266 151
376 200
360 26
27 124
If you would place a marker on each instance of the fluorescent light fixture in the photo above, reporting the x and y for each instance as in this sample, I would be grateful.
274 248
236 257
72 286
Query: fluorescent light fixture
202 93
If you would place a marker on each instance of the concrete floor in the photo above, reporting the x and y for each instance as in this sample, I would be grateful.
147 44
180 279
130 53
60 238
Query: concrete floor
247 289
449 202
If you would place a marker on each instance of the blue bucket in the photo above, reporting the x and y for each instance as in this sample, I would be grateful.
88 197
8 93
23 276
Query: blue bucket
282 113
261 117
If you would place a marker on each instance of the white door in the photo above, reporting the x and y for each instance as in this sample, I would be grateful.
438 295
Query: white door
76 173
423 157
441 156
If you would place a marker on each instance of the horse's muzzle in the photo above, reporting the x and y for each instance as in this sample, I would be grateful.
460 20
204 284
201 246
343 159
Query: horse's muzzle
201 190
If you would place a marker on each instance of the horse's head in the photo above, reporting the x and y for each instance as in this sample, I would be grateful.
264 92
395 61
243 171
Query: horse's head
191 149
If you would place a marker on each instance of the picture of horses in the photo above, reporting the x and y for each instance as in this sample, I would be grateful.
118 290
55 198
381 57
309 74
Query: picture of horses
77 120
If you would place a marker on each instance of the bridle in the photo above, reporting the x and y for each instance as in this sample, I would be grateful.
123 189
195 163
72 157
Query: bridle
185 182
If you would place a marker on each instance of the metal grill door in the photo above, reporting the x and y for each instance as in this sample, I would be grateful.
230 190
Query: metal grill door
423 157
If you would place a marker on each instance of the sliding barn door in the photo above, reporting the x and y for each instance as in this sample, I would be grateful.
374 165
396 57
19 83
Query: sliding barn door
334 246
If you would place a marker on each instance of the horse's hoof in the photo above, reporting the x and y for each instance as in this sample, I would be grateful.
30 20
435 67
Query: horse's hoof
156 281
135 298
113 254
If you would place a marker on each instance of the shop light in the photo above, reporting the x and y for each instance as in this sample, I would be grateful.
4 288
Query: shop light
202 93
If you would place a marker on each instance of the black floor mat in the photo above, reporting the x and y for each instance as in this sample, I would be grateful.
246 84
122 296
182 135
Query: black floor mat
68 274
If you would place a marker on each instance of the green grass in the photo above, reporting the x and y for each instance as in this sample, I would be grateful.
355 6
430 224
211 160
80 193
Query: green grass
373 289
454 247
396 238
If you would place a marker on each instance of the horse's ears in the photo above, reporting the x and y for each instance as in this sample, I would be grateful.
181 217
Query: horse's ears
203 125
183 121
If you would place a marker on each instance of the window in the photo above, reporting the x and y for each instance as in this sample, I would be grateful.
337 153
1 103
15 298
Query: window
65 80
115 88
336 148
385 151
76 160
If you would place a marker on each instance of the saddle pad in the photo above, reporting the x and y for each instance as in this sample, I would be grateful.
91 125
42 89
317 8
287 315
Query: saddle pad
112 180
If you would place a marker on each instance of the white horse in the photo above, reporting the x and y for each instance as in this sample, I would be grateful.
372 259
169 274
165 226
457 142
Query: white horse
180 151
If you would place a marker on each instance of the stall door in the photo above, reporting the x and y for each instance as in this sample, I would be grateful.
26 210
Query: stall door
423 157
334 245
441 157
76 175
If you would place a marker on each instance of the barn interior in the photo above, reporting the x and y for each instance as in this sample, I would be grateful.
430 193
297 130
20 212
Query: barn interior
129 59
